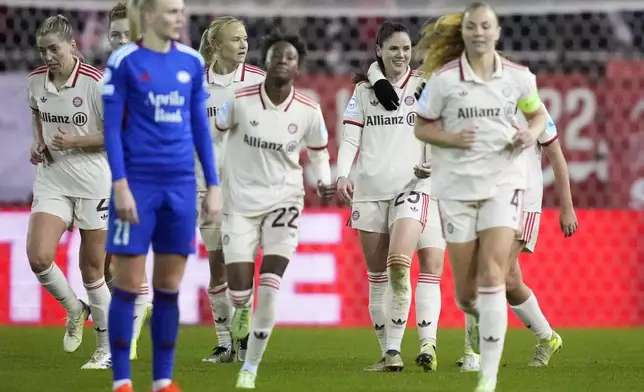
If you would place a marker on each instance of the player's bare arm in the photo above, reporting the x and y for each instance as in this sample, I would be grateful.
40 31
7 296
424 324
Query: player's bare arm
537 119
38 148
65 140
567 216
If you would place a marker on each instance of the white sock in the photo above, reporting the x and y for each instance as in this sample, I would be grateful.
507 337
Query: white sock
469 322
55 282
377 310
99 298
241 298
140 303
263 320
428 307
158 384
532 317
398 299
493 324
222 311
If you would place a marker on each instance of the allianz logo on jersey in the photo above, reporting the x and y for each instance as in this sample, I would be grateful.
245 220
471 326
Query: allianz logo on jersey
382 120
478 112
164 106
79 119
256 142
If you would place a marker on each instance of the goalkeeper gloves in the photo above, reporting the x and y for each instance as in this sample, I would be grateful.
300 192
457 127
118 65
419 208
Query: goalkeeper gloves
386 95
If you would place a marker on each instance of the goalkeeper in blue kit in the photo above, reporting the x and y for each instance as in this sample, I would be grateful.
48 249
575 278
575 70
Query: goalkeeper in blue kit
155 117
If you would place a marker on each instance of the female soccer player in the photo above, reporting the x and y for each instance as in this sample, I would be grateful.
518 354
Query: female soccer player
161 84
268 124
224 46
392 204
479 169
119 35
72 183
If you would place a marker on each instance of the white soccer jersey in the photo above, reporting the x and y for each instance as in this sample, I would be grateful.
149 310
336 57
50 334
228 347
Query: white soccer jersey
263 168
221 89
534 193
388 149
461 100
77 108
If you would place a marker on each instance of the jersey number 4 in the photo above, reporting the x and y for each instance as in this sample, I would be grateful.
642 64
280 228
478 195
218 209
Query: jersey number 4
282 220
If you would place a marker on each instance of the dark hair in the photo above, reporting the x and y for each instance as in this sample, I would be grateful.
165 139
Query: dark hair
276 37
386 30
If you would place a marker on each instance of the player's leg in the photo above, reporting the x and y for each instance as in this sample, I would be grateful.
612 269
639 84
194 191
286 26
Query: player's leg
431 256
459 227
370 219
129 246
522 299
407 216
222 309
90 216
498 223
279 239
50 217
142 312
107 268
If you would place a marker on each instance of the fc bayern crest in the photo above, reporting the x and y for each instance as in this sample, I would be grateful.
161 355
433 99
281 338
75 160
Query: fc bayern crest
77 102
409 100
292 129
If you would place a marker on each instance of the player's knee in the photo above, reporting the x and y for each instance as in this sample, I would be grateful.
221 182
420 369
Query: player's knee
217 268
431 260
40 259
240 275
276 262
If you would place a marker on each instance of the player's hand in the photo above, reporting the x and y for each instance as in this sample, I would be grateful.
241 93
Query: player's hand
464 139
423 171
37 155
211 206
63 141
124 203
568 222
326 192
345 190
523 139
419 90
386 94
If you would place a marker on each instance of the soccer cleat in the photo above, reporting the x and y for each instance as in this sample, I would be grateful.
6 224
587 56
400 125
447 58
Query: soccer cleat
470 363
242 348
240 327
100 360
545 349
485 385
393 361
170 388
245 380
137 334
376 367
220 354
473 336
427 358
124 388
74 329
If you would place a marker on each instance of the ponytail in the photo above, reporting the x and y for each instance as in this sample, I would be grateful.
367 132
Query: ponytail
440 42
205 49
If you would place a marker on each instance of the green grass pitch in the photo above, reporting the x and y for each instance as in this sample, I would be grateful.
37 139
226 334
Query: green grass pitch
331 360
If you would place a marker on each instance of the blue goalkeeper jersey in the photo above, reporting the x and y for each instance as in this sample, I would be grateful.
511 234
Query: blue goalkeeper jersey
155 115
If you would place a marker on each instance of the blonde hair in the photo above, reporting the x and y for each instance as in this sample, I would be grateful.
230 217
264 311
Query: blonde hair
58 25
210 37
134 8
118 12
441 41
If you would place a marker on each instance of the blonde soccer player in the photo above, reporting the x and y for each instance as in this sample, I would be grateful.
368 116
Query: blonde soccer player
479 167
391 204
118 36
224 46
72 182
263 188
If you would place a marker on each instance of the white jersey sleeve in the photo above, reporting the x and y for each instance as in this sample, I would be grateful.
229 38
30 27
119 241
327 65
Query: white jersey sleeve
529 101
432 100
225 118
354 113
317 135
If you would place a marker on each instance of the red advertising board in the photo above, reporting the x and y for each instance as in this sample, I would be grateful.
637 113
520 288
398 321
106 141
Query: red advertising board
594 279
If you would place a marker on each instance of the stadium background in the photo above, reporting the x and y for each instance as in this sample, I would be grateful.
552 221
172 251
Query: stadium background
587 57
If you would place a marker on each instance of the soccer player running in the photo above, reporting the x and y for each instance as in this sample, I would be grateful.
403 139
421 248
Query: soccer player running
119 35
160 83
72 182
263 187
224 46
479 171
391 204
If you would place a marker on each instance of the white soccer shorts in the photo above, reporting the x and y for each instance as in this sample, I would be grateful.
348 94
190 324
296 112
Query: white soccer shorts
277 233
530 230
378 216
463 220
86 214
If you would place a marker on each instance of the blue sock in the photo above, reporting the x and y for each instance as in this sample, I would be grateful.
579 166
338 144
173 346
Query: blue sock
120 326
165 325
